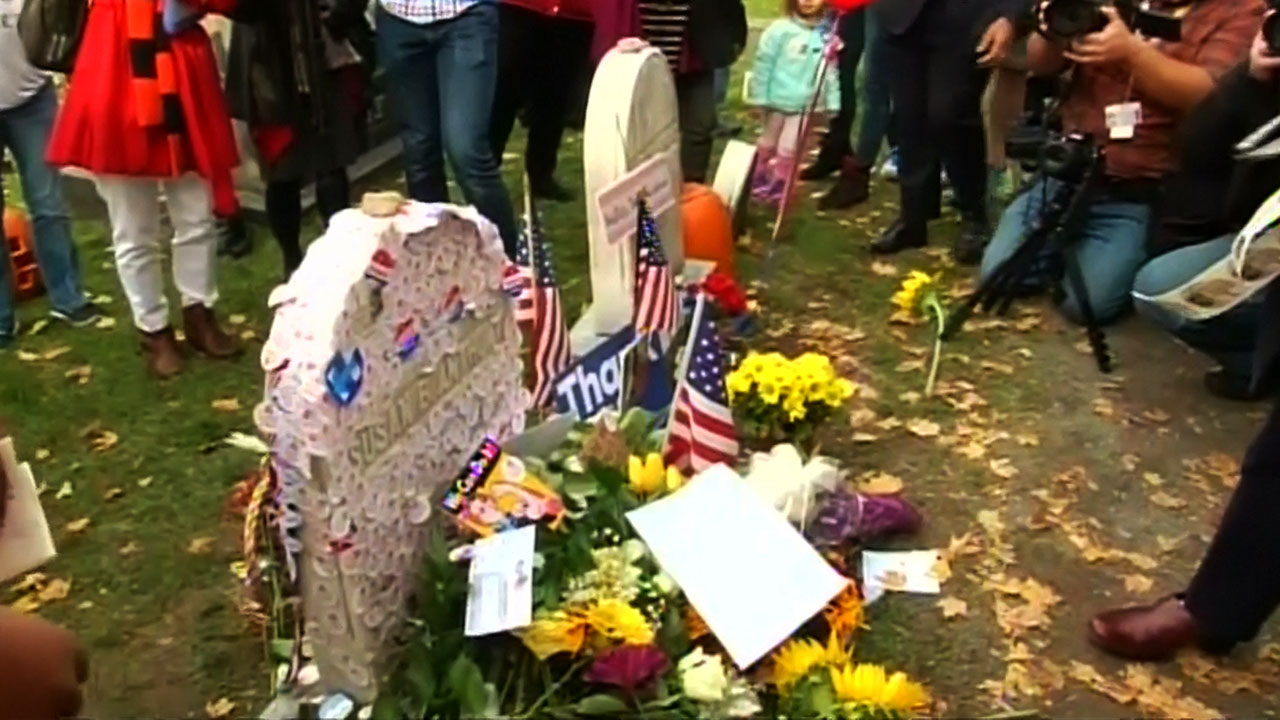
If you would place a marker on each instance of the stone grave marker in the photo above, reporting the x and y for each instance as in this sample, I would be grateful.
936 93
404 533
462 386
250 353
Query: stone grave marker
392 354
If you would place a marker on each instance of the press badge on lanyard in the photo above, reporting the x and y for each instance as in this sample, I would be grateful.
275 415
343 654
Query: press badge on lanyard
1122 119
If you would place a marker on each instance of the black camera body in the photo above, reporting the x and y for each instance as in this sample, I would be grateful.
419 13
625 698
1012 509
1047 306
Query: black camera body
1271 27
1069 19
1069 158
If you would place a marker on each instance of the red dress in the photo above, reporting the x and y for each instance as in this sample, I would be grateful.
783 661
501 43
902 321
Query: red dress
98 128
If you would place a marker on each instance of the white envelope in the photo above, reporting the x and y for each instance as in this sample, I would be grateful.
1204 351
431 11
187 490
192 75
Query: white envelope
25 541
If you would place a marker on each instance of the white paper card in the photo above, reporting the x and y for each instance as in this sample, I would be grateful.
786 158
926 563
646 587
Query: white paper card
618 200
1122 119
907 571
25 541
746 570
501 594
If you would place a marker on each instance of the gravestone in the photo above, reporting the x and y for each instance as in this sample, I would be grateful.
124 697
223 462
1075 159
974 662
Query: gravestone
631 118
393 352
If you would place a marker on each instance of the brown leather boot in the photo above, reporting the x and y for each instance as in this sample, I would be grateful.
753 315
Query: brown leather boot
164 357
204 334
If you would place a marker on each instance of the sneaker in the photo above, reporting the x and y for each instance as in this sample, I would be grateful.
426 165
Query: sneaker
9 337
889 168
1239 389
82 316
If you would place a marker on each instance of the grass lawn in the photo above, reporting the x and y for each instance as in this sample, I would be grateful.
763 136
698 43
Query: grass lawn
1028 452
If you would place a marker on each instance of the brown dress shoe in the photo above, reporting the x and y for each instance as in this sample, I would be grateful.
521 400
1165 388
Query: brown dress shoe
1153 632
204 334
164 357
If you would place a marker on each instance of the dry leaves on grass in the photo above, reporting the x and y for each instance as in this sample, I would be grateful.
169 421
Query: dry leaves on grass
1165 500
112 494
1201 669
953 608
55 589
146 481
1152 479
1219 466
1140 686
1130 462
100 440
75 527
884 269
81 374
219 709
1169 544
923 428
65 491
38 326
226 404
1138 584
129 548
907 366
201 545
1103 407
237 319
998 367
1003 468
1156 415
55 353
43 454
105 322
879 483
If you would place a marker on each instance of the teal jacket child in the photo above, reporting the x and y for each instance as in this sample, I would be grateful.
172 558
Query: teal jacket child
786 68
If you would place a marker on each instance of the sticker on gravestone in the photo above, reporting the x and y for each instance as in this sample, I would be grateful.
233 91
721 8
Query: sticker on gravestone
393 352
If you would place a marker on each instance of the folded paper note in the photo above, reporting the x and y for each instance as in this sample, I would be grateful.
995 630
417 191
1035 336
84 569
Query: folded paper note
744 568
913 571
25 542
501 592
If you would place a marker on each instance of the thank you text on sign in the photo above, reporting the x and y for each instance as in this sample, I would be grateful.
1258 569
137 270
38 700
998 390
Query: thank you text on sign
596 381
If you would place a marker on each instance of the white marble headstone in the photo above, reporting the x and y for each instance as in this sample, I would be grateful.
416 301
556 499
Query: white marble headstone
631 117
392 354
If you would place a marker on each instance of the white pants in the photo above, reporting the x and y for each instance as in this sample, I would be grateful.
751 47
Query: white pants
133 205
781 133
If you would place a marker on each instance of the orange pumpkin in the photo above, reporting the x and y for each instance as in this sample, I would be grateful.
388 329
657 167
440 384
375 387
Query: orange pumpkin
708 229
22 256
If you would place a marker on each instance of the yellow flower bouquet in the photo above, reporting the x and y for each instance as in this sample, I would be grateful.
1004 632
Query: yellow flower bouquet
786 399
813 680
919 296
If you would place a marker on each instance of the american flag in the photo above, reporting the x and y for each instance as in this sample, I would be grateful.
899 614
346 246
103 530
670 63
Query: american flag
551 351
657 308
702 432
517 277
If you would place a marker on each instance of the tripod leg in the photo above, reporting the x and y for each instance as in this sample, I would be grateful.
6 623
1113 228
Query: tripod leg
1097 338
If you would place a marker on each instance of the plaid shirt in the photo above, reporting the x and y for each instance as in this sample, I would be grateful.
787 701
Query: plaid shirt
423 12
1216 35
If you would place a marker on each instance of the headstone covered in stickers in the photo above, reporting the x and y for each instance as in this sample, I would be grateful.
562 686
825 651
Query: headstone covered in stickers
392 353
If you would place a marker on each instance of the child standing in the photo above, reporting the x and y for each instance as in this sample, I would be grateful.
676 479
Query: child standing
783 83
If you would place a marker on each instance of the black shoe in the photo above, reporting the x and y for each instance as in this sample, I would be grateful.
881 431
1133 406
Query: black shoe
234 241
1229 387
898 238
549 189
971 243
82 316
852 188
821 168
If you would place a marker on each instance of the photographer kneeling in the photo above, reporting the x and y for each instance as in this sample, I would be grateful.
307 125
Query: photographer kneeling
1206 202
1128 93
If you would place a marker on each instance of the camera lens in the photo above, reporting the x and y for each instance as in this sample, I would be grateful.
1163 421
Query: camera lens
1271 33
1068 19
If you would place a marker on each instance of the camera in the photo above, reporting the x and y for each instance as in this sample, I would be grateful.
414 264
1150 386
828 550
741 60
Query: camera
1069 158
1070 19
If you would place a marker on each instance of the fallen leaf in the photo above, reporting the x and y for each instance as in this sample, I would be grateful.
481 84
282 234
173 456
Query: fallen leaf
27 356
81 374
889 423
43 454
880 484
85 605
226 404
102 440
1002 368
219 709
130 548
884 269
114 493
1269 653
941 570
106 322
1152 479
146 481
864 438
923 428
911 397
862 417
907 366
65 491
1140 584
247 335
1027 440
1104 407
236 319
1003 468
1130 462
38 326
1168 544
1156 415
26 604
200 545
953 607
55 589
55 353
972 450
1165 500
76 527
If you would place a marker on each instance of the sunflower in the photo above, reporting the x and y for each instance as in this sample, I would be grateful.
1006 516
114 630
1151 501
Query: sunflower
844 613
866 684
794 660
555 633
914 288
617 620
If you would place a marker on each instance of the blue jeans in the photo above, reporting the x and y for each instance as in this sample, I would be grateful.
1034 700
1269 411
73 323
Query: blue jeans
441 78
24 130
875 93
722 76
1229 338
1110 251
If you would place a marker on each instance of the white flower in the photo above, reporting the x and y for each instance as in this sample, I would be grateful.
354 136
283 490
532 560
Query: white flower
634 549
741 700
665 584
703 676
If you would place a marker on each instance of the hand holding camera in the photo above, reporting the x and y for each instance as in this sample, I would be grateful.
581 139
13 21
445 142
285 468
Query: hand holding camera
1264 54
1115 43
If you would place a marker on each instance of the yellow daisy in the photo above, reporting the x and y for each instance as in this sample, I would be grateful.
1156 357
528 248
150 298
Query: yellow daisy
617 620
555 633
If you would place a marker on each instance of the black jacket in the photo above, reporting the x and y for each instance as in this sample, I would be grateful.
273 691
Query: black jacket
1213 194
717 31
